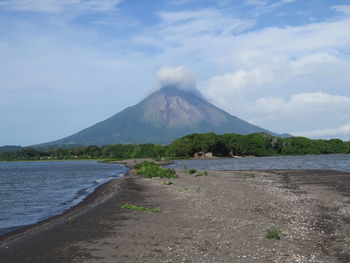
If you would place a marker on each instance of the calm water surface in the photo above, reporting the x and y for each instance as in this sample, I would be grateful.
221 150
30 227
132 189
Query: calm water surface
338 162
34 191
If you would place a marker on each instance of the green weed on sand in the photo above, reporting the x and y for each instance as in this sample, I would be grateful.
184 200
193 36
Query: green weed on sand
141 208
273 233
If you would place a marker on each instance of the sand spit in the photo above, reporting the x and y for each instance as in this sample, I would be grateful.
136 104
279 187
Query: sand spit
222 217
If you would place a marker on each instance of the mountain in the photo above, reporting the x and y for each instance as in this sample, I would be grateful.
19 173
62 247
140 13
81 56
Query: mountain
165 115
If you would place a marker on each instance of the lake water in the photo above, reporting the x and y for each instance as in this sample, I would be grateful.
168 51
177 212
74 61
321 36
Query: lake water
34 191
338 162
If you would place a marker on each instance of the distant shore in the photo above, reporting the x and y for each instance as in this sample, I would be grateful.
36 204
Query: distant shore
220 217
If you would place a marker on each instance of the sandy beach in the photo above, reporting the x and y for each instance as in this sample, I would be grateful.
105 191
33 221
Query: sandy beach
222 217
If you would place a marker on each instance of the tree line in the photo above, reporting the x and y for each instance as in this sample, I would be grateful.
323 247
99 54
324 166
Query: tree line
225 145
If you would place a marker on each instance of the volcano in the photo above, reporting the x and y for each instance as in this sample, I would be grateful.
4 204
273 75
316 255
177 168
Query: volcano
163 116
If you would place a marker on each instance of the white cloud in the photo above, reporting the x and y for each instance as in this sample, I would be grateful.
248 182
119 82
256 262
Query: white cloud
179 77
305 104
342 8
179 2
56 6
303 111
280 78
229 87
338 132
178 26
264 6
256 2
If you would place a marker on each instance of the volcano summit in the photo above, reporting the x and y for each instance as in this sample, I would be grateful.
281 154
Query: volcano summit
163 116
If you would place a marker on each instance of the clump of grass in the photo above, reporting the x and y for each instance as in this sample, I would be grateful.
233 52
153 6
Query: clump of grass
71 219
204 173
141 208
250 175
167 182
141 164
273 233
191 171
150 169
182 190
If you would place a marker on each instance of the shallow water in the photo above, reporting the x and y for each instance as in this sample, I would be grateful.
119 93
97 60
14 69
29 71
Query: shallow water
34 191
338 162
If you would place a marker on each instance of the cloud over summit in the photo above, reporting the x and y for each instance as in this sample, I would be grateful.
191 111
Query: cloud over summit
179 77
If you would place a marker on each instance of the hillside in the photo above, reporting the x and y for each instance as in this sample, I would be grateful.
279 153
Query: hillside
163 116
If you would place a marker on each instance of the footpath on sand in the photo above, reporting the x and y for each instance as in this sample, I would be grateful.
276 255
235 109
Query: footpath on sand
224 216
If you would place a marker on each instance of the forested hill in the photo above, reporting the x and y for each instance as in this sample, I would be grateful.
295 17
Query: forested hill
226 145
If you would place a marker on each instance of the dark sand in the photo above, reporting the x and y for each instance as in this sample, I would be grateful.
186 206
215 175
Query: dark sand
222 217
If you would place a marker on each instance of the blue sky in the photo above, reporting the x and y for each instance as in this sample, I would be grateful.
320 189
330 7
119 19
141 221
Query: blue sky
281 64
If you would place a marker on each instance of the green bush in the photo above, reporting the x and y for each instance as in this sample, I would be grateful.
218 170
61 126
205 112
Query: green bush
204 173
149 170
141 164
191 171
273 233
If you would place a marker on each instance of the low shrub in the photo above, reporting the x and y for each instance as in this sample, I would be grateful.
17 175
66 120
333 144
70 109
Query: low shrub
273 233
191 171
204 173
149 170
141 164
167 182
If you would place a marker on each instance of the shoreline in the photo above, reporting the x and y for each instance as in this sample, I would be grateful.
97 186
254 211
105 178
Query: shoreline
220 217
88 202
99 195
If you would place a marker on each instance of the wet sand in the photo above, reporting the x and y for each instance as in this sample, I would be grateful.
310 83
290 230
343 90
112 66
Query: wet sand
222 217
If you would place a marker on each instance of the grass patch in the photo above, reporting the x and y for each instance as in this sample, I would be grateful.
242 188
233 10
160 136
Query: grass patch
142 164
71 219
141 208
250 175
150 169
273 233
189 171
167 182
204 173
182 190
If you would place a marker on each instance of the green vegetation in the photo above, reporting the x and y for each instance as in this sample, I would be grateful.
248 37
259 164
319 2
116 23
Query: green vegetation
226 145
167 182
191 171
204 173
141 208
273 233
250 175
71 219
149 170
